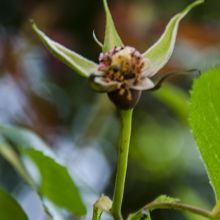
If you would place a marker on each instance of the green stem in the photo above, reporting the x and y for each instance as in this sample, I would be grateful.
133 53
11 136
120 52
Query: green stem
181 207
96 213
126 120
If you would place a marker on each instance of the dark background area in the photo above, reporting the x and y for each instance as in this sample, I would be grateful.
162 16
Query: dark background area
39 92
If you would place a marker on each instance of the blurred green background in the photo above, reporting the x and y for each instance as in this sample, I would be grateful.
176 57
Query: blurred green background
39 92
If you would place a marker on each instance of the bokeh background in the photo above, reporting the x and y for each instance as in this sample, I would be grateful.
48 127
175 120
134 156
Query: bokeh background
40 93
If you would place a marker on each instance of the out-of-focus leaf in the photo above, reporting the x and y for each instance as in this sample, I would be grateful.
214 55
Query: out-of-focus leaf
78 63
56 183
191 196
205 123
13 157
160 52
22 137
9 208
146 149
148 218
112 38
176 99
9 154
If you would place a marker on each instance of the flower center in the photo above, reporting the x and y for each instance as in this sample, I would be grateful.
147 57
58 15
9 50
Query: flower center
121 64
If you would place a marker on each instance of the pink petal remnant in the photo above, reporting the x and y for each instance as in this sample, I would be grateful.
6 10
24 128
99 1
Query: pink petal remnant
120 75
121 64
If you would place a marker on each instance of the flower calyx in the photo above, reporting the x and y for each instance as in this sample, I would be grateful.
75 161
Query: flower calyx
120 74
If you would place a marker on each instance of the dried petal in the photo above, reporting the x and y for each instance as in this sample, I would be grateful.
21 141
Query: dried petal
143 84
100 84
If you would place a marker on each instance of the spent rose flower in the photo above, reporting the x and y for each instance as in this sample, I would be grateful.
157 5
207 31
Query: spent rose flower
122 72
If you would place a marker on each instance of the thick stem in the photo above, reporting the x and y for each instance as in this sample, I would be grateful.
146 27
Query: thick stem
126 120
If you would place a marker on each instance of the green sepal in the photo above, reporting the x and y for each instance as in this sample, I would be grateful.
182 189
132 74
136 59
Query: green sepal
112 38
78 63
96 39
161 51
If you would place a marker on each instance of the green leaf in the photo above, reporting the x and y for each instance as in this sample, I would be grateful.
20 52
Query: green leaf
9 208
78 63
56 183
160 52
216 211
9 154
50 170
23 137
148 218
13 157
112 38
205 123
